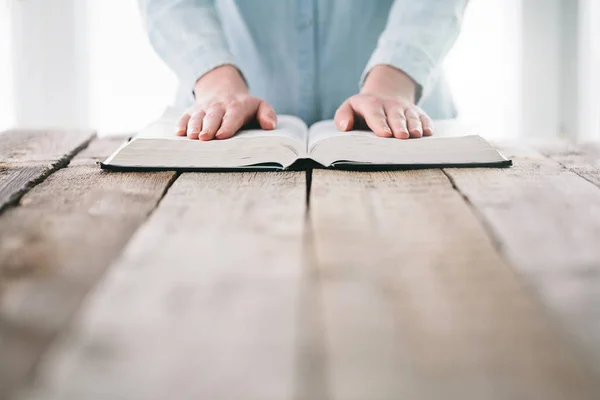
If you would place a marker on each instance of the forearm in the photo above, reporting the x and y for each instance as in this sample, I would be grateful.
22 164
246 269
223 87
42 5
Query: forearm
417 38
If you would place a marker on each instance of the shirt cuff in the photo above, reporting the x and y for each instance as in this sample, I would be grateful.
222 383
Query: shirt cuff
411 60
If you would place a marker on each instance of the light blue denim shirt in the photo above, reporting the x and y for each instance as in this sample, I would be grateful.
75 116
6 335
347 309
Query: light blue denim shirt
305 57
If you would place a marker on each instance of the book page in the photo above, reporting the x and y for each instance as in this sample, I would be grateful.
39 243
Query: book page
156 146
287 126
323 130
327 129
451 145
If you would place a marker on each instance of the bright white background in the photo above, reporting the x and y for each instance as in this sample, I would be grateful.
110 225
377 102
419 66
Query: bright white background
6 112
483 68
506 69
129 83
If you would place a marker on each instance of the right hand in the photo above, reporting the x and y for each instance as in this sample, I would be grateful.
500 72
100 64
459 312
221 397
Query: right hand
223 105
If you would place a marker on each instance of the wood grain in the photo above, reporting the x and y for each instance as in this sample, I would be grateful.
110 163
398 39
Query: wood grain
27 157
32 146
99 150
546 221
16 180
584 159
204 303
56 244
418 304
396 287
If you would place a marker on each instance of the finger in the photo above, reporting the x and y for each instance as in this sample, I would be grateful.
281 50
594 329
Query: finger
413 121
181 124
397 121
344 117
373 113
211 122
194 125
235 117
266 116
427 124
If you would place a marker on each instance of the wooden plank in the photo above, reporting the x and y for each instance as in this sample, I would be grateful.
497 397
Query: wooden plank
582 159
27 157
204 303
418 304
99 150
16 180
32 146
56 244
546 221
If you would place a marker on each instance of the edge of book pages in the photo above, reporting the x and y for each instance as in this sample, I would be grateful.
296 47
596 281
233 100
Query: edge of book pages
306 163
457 129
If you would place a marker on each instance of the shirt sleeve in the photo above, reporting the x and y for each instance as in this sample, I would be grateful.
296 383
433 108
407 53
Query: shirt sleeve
187 35
417 37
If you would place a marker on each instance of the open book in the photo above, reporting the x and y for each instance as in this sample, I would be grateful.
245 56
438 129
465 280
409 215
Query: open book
292 144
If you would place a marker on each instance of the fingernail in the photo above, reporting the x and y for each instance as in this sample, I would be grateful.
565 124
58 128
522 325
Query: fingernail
387 130
203 135
177 130
272 122
344 125
219 134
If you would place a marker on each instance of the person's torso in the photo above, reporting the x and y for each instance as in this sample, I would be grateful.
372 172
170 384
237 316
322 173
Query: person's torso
305 57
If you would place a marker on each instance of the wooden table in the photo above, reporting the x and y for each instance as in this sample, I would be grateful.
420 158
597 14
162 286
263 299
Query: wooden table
425 284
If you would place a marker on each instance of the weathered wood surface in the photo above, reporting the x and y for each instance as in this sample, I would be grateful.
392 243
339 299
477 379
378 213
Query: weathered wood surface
417 303
545 219
56 244
203 304
584 160
456 284
27 157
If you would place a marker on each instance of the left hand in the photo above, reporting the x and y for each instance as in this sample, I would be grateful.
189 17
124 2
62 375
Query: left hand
386 105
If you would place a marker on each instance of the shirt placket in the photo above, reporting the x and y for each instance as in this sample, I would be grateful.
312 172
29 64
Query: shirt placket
305 26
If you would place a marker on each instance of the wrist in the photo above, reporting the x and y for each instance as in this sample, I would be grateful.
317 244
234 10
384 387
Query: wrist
389 81
224 78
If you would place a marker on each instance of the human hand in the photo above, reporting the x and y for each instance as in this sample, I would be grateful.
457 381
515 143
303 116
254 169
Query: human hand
385 104
223 105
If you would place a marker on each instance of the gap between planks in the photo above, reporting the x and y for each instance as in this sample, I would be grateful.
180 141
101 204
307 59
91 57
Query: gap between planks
405 298
27 158
544 217
420 305
56 243
553 317
583 160
362 298
212 286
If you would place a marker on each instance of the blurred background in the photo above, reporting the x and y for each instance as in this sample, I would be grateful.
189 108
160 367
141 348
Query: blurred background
520 68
